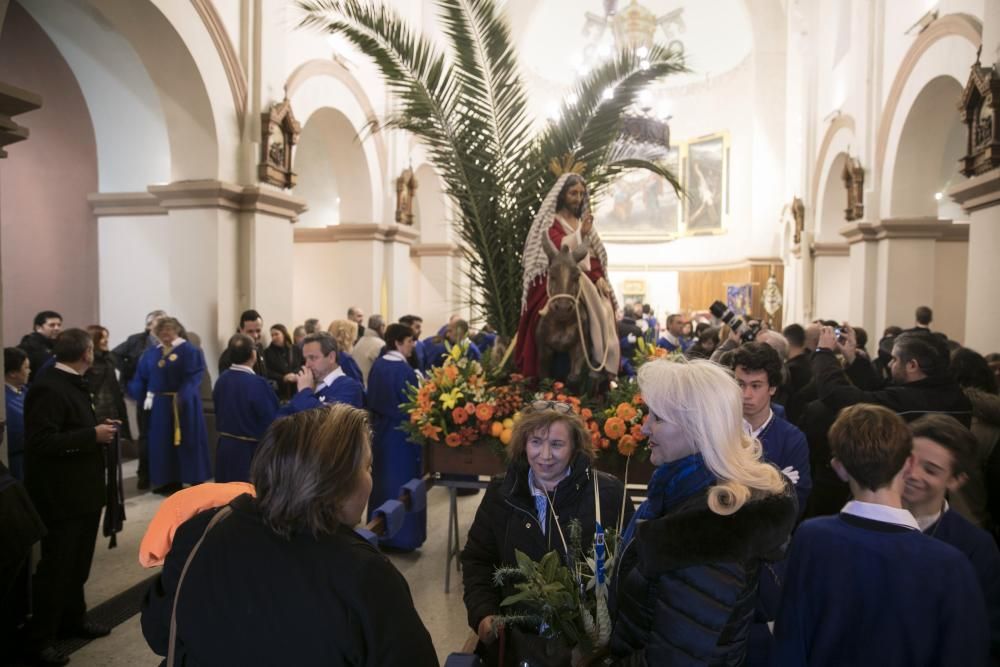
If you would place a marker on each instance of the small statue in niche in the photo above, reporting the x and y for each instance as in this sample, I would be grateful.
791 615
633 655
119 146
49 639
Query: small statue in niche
279 133
799 215
406 188
980 109
854 182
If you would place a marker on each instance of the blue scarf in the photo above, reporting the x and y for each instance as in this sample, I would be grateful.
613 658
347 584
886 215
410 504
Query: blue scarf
672 483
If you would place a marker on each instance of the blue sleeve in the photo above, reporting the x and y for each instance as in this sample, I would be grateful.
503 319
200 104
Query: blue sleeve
985 559
351 393
791 645
474 353
194 367
965 635
265 407
304 400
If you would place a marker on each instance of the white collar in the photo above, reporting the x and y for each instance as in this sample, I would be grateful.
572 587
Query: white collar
394 355
331 378
926 522
755 433
177 343
14 389
672 339
63 367
242 369
535 491
883 513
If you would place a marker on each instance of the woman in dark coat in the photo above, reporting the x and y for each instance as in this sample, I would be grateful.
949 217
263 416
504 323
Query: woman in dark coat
109 403
283 359
283 579
550 478
685 587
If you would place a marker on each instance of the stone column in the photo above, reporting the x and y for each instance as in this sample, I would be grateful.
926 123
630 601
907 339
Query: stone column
899 264
980 197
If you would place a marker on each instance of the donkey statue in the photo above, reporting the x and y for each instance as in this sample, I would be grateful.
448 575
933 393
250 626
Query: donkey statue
563 322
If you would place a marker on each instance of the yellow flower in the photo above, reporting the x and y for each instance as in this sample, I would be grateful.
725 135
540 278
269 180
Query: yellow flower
455 351
449 399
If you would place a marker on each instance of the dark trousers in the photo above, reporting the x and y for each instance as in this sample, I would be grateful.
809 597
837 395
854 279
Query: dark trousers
142 442
57 592
13 602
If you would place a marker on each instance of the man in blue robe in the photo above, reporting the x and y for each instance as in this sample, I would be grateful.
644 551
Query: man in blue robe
245 406
944 453
395 460
168 382
322 382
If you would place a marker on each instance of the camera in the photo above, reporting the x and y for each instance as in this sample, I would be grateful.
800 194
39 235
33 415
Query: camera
747 332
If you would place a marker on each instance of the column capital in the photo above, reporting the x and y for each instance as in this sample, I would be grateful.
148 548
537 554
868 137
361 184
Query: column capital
916 228
978 192
366 231
198 194
830 249
435 250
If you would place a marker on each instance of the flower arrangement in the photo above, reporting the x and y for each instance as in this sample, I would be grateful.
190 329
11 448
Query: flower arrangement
459 404
651 352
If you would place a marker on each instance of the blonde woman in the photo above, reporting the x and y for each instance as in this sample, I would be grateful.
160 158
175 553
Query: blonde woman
345 332
685 587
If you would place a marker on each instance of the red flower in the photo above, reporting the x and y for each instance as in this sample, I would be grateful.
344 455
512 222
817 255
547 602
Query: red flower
460 415
453 440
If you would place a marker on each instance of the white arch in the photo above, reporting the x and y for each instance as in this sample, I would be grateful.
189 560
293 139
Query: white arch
310 91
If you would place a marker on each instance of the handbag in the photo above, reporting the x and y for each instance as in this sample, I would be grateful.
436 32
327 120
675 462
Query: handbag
171 650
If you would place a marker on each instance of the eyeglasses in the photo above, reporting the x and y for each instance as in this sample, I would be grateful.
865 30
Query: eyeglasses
565 408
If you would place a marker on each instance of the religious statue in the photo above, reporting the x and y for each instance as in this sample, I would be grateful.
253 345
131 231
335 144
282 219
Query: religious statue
567 304
406 188
279 133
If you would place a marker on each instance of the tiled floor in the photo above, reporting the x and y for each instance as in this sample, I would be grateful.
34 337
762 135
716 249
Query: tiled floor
117 569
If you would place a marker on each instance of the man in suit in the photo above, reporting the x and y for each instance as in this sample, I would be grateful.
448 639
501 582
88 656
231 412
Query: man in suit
65 476
38 344
322 382
251 324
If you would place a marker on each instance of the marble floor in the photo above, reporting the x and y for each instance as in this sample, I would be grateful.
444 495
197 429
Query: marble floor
115 570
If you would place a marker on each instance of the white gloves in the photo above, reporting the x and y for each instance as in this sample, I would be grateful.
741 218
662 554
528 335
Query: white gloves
792 474
148 403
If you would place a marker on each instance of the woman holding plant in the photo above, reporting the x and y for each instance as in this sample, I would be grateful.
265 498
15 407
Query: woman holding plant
685 584
550 483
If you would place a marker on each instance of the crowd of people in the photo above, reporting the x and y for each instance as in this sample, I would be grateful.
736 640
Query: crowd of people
881 472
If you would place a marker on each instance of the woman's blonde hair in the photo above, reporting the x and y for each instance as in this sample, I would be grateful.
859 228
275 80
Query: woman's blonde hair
704 401
345 332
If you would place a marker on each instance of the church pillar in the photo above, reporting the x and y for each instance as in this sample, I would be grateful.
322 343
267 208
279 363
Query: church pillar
917 262
438 291
980 197
364 265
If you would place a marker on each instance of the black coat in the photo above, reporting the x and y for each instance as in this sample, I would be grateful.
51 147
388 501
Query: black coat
109 402
63 462
127 354
280 361
837 390
38 349
507 520
685 590
250 597
260 367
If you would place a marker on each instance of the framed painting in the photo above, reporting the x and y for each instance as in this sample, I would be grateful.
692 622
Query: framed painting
706 180
641 206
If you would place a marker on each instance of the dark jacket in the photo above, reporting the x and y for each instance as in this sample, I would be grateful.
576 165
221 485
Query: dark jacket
109 403
507 520
251 597
127 354
909 401
279 362
38 349
63 462
685 590
260 367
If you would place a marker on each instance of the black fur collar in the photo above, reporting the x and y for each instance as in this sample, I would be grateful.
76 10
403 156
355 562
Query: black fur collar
693 534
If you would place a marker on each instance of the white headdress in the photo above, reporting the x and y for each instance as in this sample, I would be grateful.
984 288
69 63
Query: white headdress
534 259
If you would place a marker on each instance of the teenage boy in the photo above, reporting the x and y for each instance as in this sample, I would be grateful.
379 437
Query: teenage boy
757 368
944 452
866 587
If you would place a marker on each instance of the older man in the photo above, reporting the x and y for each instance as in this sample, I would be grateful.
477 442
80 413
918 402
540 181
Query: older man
322 382
65 475
370 345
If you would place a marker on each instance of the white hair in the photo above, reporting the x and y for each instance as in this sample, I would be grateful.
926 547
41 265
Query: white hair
704 401
776 341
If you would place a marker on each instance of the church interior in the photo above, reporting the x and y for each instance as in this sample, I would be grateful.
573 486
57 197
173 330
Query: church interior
837 160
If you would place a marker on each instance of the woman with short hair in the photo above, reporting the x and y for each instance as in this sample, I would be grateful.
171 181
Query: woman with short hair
685 583
345 332
549 483
283 579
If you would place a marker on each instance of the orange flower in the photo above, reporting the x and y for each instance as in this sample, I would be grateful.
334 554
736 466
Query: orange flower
459 415
416 416
626 446
614 428
561 398
558 386
484 412
586 414
430 431
595 438
625 412
453 440
451 372
636 432
549 396
605 443
637 400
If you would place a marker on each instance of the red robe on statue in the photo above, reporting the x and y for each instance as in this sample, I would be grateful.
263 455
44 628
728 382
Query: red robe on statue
526 350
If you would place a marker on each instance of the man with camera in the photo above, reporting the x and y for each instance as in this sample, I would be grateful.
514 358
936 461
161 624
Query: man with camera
920 383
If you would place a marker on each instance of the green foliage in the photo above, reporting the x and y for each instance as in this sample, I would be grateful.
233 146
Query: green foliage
469 108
